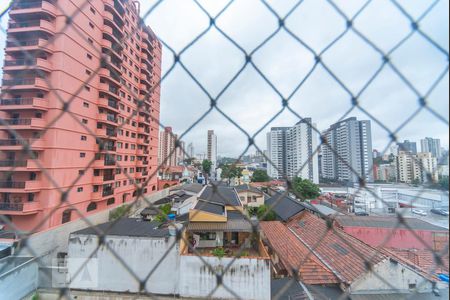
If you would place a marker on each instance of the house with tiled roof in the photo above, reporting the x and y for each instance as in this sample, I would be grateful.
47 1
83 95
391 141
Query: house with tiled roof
250 196
309 247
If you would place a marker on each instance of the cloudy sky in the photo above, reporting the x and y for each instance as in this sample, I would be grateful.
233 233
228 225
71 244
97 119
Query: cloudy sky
251 102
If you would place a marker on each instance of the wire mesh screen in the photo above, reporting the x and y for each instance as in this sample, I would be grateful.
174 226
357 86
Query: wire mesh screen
27 69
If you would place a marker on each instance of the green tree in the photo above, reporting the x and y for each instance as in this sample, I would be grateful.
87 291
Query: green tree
264 215
206 167
166 208
260 176
230 171
305 189
119 212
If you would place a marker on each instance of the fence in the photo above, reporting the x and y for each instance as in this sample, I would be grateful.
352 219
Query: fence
28 60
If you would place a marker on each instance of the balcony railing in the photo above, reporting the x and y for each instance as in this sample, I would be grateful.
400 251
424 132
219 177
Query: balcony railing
17 101
110 162
31 23
113 104
26 81
11 206
12 184
13 163
25 5
12 142
108 177
107 193
16 121
20 62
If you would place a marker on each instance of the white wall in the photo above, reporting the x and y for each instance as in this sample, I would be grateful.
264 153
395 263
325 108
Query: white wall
249 278
396 274
140 254
55 240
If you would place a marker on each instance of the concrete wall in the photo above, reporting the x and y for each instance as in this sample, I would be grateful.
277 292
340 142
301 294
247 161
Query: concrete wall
54 240
395 274
249 278
141 255
19 277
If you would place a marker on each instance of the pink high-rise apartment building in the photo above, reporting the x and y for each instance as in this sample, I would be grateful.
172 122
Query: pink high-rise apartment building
54 49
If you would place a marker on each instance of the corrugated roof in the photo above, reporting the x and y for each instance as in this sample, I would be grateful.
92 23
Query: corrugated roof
247 187
386 222
295 255
191 187
240 225
223 195
127 227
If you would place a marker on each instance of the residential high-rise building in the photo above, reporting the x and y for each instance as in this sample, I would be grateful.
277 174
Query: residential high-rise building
302 153
292 152
416 168
190 150
181 153
408 146
212 149
277 152
167 155
348 154
432 146
428 166
50 66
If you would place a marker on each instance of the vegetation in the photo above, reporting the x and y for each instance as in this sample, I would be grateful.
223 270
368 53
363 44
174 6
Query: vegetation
219 252
206 167
252 211
264 214
165 210
35 296
443 183
230 171
305 189
119 212
260 176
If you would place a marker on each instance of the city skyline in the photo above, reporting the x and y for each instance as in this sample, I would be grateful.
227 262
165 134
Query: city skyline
387 91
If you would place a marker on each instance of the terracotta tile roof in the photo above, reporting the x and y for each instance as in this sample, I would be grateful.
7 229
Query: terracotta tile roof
295 256
423 259
345 255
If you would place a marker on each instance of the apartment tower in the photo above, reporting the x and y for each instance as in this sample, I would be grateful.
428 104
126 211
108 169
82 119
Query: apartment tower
102 68
212 149
347 156
432 146
292 150
167 153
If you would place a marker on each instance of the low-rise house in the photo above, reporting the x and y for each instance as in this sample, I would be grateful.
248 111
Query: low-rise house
306 247
412 234
250 196
286 207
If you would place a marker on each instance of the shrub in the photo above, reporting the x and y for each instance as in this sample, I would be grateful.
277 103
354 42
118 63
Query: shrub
219 252
119 212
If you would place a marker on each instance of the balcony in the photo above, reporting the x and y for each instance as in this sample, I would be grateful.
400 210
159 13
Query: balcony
19 165
17 124
144 131
96 196
14 144
108 119
108 177
29 45
110 75
26 84
110 34
20 186
107 192
113 48
34 7
97 180
115 7
104 164
106 133
24 103
25 208
113 21
27 64
109 90
32 25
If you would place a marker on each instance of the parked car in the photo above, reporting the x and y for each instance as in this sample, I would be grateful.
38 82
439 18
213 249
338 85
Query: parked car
438 211
419 212
361 213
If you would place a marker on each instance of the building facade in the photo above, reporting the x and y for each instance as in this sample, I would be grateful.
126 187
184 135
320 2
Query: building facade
408 146
211 153
347 155
431 145
104 68
167 154
420 168
292 152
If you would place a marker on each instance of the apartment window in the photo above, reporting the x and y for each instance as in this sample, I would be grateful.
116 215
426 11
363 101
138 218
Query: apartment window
92 10
84 121
124 183
117 184
87 88
126 145
90 41
92 206
131 170
91 25
89 56
66 215
95 188
132 158
118 171
132 146
85 104
82 154
119 145
79 190
81 172
88 72
38 115
110 201
84 138
119 157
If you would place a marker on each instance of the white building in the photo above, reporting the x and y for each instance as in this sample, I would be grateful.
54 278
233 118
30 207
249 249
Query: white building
348 152
408 168
431 145
292 151
428 167
212 149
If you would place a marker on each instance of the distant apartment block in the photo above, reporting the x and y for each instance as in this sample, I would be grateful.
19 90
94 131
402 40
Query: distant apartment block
293 151
408 146
417 168
167 155
348 152
50 63
431 145
212 148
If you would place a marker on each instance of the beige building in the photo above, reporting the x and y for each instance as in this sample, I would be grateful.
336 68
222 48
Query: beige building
250 196
167 154
429 167
421 167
